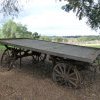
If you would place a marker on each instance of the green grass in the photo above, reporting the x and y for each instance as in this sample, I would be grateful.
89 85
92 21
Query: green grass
92 45
2 47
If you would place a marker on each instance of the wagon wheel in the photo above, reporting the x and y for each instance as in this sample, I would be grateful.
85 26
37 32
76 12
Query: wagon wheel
97 65
39 58
66 74
6 59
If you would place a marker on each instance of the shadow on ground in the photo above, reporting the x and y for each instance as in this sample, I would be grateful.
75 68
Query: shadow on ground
34 82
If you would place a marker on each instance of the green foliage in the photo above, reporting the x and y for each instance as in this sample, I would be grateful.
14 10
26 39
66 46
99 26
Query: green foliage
88 38
35 35
1 35
46 38
65 40
2 48
85 8
11 29
10 7
92 45
22 31
58 39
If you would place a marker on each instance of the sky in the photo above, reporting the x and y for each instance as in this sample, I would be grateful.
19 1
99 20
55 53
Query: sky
47 18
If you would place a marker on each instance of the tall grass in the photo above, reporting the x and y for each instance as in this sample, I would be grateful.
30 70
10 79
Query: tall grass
92 45
2 47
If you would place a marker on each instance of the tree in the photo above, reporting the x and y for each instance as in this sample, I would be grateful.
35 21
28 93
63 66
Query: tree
22 32
9 29
1 35
85 8
10 7
35 35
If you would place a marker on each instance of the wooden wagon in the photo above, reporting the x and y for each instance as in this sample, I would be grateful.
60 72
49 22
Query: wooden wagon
68 60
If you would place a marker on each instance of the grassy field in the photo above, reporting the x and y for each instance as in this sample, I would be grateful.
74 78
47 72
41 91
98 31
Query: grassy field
2 47
92 45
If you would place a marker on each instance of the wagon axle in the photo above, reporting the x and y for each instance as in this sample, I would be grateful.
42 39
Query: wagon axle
11 54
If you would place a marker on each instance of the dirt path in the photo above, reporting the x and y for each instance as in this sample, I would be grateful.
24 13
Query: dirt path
34 82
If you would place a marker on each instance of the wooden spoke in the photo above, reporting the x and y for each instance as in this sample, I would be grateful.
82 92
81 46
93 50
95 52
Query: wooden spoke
72 74
62 68
72 83
98 65
57 71
35 58
73 79
59 75
69 69
39 57
42 57
66 74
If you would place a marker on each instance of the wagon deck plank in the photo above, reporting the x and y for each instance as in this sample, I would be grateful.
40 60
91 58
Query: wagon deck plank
80 53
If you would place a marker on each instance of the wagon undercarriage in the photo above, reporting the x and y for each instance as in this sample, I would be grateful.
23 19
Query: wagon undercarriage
65 71
11 54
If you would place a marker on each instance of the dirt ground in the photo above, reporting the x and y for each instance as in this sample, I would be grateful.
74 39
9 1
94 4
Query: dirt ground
34 82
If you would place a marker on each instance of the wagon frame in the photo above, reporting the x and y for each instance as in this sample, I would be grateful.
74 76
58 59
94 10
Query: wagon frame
67 63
